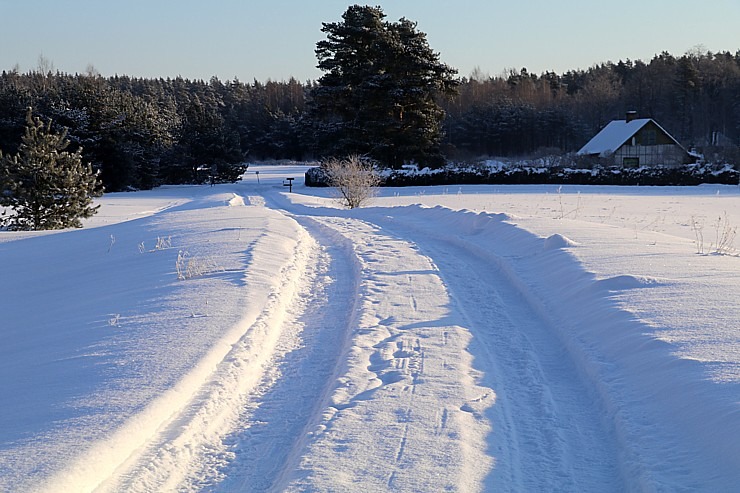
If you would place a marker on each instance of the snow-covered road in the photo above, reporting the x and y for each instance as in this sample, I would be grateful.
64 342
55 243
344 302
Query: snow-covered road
549 432
445 334
392 348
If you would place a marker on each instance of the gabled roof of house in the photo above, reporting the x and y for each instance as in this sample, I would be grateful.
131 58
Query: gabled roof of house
616 134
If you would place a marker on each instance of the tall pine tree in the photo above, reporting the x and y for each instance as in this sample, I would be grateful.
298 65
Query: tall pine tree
379 93
46 187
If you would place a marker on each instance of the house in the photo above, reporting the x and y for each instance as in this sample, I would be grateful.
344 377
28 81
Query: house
637 142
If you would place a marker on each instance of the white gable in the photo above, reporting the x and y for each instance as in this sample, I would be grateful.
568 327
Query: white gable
613 136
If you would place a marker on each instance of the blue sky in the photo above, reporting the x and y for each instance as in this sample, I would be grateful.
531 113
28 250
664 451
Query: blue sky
275 39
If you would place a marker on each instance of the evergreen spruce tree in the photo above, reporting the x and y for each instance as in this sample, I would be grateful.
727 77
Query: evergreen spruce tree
46 187
379 93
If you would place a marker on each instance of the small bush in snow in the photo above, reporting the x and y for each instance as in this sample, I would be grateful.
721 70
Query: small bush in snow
354 178
188 267
724 236
163 243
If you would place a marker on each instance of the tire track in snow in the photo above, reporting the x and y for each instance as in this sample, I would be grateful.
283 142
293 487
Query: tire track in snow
383 430
176 443
549 432
278 423
188 452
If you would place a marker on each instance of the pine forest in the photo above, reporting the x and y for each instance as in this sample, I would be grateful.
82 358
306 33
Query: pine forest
140 133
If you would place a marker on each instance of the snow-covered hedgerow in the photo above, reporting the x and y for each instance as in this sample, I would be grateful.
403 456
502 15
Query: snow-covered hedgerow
496 172
317 177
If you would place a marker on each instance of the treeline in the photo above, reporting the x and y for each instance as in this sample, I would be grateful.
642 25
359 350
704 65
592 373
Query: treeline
141 133
695 97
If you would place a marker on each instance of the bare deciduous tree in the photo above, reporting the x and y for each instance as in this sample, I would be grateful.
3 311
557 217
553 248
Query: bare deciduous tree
353 177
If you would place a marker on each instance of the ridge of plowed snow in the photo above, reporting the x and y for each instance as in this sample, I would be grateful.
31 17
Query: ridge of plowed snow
200 319
190 439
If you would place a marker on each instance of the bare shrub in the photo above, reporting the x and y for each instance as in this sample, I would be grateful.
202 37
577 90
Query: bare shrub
353 177
163 243
698 229
724 235
188 266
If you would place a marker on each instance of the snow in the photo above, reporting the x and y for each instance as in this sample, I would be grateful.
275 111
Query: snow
468 338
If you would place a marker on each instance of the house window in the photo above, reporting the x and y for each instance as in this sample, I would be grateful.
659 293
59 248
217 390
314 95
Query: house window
649 138
631 161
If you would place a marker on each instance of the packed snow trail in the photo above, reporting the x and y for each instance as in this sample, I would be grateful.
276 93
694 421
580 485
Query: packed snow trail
174 439
549 429
274 427
188 449
626 412
407 414
517 413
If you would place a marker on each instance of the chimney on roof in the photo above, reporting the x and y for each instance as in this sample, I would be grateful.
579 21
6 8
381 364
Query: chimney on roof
631 115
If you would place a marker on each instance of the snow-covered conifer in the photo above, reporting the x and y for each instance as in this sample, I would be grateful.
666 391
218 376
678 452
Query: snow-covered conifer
46 186
378 95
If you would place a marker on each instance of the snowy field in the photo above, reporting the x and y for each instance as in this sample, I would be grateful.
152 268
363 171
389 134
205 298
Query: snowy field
462 338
